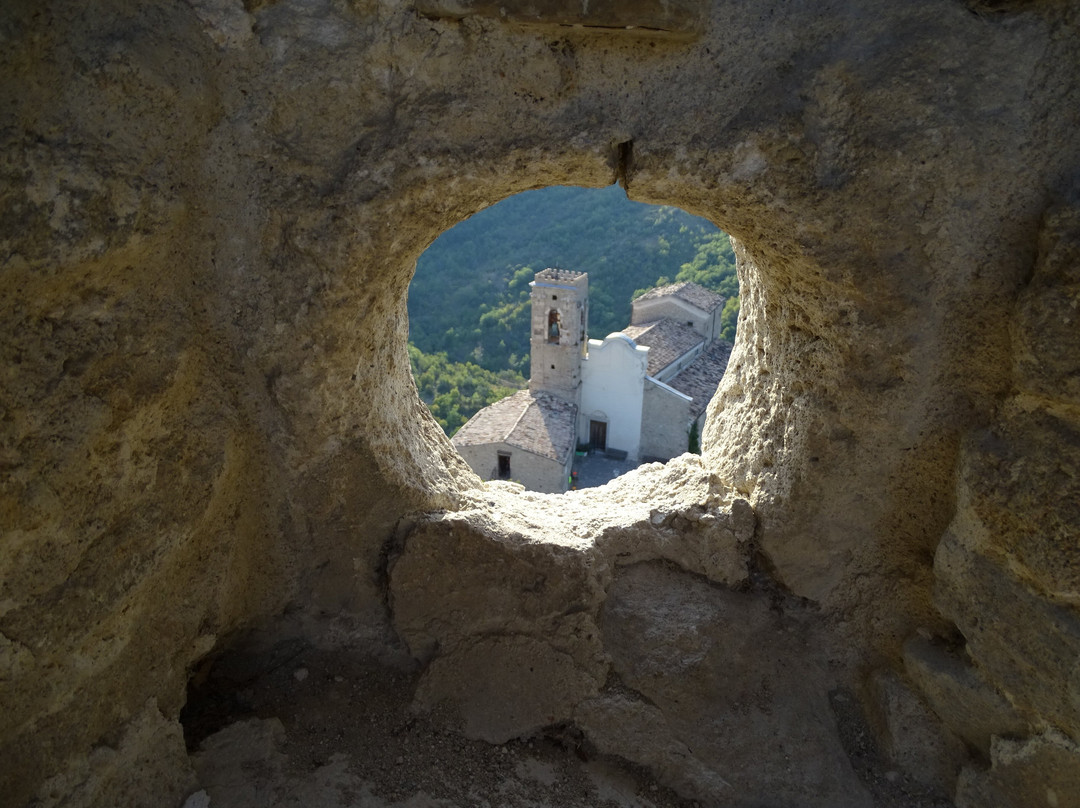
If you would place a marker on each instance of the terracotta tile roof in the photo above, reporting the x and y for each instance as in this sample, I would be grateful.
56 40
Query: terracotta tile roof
536 422
701 377
692 293
666 339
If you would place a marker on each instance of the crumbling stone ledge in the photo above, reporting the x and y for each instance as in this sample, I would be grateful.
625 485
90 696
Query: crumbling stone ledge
532 575
558 602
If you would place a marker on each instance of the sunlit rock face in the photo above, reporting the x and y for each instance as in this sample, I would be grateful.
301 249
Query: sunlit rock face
209 215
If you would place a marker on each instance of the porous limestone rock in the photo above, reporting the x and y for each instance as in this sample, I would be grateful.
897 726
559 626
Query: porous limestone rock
502 688
1040 771
1027 645
739 681
513 643
559 592
513 640
253 744
149 758
1006 566
960 695
912 738
1047 324
629 727
674 17
209 215
1019 511
244 766
1006 571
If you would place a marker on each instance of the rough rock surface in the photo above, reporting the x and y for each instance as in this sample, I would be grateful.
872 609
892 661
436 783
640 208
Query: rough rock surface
345 736
678 17
1043 770
912 737
209 214
150 758
741 683
954 688
515 644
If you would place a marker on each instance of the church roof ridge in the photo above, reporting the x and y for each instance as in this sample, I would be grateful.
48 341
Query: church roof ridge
693 293
534 421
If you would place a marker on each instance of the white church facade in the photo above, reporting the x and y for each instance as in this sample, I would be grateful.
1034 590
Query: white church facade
635 394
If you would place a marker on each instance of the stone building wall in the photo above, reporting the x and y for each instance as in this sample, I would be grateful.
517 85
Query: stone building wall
708 325
556 365
665 422
681 364
210 215
533 471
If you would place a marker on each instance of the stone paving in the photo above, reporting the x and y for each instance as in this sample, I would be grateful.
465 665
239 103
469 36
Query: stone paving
597 469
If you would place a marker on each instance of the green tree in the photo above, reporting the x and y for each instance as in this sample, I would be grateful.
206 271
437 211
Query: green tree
729 319
455 391
713 266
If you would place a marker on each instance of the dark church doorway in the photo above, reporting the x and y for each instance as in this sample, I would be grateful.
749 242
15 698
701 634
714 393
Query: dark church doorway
598 436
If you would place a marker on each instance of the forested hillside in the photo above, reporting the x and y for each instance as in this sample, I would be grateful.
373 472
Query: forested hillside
469 298
454 391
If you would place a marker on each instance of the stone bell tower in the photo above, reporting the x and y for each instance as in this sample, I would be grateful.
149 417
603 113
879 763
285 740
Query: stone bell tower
560 315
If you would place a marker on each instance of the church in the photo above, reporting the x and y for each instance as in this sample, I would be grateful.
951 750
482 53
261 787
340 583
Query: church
636 394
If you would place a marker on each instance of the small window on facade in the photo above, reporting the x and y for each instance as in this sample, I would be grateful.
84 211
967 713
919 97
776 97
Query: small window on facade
690 323
554 297
553 327
504 466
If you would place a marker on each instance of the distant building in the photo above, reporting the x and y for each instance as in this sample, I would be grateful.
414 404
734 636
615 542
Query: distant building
528 437
636 393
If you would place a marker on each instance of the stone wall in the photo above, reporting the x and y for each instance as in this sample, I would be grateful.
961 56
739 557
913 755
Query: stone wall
644 311
209 214
665 419
533 471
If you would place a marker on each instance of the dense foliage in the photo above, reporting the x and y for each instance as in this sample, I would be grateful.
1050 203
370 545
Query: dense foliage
713 266
454 391
469 299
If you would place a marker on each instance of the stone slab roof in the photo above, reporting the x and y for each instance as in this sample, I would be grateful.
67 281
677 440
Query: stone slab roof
536 422
688 291
701 377
666 340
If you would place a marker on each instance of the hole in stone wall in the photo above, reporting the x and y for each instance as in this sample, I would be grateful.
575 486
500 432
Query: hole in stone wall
557 304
